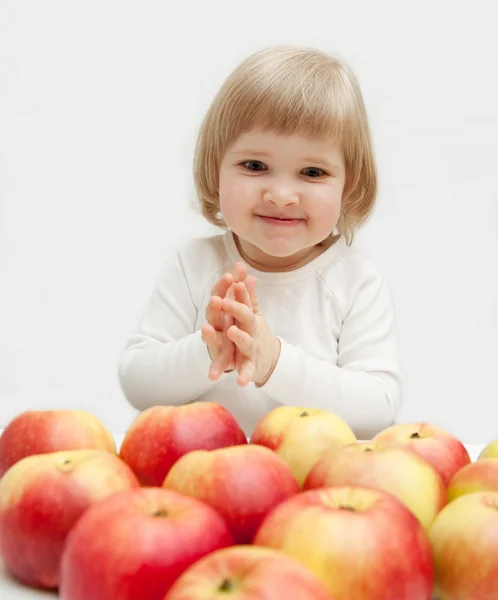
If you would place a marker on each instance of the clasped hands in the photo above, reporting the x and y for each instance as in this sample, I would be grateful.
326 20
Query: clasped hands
236 334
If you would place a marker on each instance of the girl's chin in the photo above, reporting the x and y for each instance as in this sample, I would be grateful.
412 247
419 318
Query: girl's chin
279 252
277 248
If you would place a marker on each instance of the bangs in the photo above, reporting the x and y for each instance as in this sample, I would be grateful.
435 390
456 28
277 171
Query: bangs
296 96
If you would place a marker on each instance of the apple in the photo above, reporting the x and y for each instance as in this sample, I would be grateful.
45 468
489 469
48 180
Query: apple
41 498
464 538
244 483
42 431
384 466
362 543
481 476
136 543
489 451
247 573
160 435
441 449
301 436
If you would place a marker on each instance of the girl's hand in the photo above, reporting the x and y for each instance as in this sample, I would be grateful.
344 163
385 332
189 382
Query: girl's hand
256 348
214 333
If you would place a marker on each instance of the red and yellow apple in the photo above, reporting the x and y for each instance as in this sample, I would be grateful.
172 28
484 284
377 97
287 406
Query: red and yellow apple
442 450
136 543
301 436
160 435
481 476
42 431
489 451
464 538
247 573
362 543
244 483
383 466
41 498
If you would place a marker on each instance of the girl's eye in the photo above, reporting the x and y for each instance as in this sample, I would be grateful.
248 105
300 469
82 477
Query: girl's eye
314 172
253 165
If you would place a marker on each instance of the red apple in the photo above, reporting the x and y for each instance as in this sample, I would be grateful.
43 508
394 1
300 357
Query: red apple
442 450
481 476
244 483
160 435
301 436
247 573
135 544
384 466
42 431
464 539
41 498
363 544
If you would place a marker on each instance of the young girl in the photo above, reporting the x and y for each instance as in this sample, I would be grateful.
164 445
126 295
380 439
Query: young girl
278 309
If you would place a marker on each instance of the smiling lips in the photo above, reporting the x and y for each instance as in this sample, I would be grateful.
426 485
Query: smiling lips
280 221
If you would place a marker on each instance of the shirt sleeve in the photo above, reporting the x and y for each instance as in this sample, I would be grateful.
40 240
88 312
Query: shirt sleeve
364 387
165 360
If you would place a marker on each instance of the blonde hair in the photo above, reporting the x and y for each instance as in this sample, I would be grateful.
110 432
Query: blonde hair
289 89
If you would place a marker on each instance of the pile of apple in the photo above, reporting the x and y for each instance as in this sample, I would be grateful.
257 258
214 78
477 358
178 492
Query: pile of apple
188 509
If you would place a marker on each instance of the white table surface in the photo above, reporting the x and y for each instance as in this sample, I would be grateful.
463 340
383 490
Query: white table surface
10 589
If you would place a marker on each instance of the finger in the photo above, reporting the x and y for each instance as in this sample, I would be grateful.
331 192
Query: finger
243 341
210 338
220 364
244 364
227 320
216 369
246 373
242 295
214 314
251 289
220 350
240 312
239 271
231 292
221 286
208 334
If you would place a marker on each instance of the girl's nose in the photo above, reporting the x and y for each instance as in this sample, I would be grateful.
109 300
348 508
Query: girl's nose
281 197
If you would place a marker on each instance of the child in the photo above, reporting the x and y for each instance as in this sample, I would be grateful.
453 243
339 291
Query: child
278 309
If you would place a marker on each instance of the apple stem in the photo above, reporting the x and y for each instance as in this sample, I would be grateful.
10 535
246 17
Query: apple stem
160 513
304 414
226 586
346 507
414 435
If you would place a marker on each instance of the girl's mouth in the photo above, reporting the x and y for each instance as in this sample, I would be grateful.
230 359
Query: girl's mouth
280 222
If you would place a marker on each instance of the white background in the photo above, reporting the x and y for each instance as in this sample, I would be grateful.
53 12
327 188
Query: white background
100 103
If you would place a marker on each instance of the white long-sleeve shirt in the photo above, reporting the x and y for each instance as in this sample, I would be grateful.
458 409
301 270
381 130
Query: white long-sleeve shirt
334 318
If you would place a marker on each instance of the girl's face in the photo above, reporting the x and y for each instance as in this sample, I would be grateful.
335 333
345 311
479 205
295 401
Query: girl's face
281 195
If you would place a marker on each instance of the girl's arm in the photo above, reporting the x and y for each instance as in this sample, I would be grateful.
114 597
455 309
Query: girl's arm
165 361
364 388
